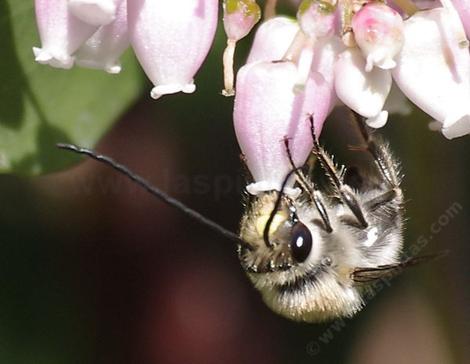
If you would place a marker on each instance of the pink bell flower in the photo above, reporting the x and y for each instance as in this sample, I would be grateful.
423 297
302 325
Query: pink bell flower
240 16
171 39
103 49
272 39
95 12
363 92
317 17
61 33
433 68
326 53
267 110
378 31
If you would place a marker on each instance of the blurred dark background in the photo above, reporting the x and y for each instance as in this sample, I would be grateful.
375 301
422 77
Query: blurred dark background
95 270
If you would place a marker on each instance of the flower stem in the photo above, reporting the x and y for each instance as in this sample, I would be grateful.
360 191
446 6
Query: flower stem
270 9
407 6
228 68
295 48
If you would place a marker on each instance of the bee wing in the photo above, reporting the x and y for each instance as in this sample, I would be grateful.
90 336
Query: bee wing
370 274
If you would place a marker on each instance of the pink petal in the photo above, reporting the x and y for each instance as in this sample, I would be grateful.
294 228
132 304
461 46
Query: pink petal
95 12
363 92
61 33
463 8
272 39
171 39
104 48
326 53
240 16
433 69
378 30
317 18
267 110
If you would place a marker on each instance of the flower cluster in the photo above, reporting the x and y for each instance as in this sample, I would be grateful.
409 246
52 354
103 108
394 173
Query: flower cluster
170 38
359 53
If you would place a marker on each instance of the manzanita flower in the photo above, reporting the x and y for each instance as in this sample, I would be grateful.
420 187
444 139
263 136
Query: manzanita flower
171 40
317 17
326 53
104 48
267 110
364 92
61 33
95 12
317 20
240 16
378 31
272 39
463 8
433 68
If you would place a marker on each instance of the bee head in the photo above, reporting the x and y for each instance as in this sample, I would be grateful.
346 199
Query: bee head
298 267
276 240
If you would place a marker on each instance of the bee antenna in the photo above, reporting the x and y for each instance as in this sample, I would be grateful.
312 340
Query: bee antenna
267 227
155 191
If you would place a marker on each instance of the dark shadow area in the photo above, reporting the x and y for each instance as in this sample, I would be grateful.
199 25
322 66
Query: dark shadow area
14 83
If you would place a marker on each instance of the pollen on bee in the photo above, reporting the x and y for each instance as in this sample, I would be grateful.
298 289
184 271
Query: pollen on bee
262 220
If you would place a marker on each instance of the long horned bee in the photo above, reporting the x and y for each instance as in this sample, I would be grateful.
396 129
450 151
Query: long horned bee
310 255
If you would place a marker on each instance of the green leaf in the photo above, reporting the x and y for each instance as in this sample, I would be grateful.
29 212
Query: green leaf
40 105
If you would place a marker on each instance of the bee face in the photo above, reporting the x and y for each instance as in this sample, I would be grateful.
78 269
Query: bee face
304 274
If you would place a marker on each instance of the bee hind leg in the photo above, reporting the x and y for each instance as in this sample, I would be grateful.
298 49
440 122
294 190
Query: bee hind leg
345 193
379 151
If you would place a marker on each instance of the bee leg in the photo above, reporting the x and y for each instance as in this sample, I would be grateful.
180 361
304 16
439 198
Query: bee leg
310 189
379 152
346 194
385 163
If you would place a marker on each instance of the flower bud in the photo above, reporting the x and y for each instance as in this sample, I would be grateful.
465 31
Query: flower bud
240 16
378 31
363 92
317 17
266 111
171 40
433 68
94 12
272 39
61 33
104 48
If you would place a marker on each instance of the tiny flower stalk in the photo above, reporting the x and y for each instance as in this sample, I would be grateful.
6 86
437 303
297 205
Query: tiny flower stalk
61 33
171 39
378 31
95 12
316 19
240 16
103 49
407 6
270 9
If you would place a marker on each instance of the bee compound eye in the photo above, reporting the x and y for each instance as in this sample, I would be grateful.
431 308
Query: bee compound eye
301 242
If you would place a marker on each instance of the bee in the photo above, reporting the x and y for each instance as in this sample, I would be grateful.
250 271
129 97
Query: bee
311 256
